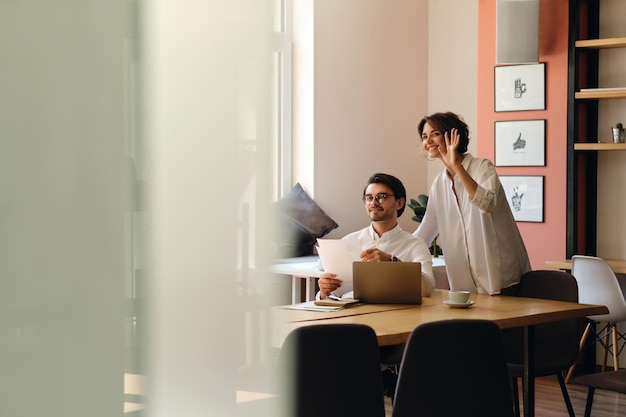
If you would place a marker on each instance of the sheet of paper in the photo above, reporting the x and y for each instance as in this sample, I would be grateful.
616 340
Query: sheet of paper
310 306
337 256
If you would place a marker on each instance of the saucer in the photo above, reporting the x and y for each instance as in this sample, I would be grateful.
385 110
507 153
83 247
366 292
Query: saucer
458 305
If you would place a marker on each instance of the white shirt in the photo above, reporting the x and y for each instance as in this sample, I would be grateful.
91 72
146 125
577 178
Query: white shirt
402 245
481 243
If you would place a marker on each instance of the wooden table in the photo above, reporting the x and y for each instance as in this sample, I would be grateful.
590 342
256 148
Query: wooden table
617 265
394 323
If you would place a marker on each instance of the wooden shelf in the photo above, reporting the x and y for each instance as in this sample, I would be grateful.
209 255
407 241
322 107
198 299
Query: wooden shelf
601 93
602 43
591 146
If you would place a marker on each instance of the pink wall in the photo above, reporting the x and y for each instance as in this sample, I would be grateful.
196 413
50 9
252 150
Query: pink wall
544 241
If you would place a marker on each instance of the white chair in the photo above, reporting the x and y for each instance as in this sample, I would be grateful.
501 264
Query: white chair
597 284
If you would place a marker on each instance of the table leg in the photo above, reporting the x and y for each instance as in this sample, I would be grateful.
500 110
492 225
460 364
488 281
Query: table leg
310 288
295 289
529 371
307 290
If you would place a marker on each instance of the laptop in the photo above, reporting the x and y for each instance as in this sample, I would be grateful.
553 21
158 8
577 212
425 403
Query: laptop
387 282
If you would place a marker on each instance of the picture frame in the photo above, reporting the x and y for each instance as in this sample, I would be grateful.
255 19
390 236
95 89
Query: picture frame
520 143
520 87
525 195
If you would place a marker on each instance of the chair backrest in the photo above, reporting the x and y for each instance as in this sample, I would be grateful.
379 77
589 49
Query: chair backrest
454 368
598 284
332 370
556 343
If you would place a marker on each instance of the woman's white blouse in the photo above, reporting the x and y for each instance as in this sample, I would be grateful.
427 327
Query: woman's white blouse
481 243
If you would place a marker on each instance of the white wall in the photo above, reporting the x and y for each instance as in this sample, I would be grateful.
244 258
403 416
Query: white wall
452 64
379 67
370 88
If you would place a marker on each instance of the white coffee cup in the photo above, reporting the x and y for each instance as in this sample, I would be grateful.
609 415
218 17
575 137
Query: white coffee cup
459 297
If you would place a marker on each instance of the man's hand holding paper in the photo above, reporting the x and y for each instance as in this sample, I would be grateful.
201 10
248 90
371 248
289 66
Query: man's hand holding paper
337 256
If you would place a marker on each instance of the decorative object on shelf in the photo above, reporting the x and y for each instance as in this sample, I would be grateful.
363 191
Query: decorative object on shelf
419 208
619 133
520 143
525 196
520 87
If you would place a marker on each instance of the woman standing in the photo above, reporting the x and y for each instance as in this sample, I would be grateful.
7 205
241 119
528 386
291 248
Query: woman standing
467 208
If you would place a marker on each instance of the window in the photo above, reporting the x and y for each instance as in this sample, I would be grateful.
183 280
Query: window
281 98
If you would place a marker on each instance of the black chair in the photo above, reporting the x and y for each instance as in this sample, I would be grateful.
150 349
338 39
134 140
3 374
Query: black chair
454 368
332 370
610 381
556 343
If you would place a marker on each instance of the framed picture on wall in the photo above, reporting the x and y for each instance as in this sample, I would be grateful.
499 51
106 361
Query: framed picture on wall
520 143
525 196
520 87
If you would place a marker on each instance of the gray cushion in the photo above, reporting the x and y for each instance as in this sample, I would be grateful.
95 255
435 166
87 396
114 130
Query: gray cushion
299 222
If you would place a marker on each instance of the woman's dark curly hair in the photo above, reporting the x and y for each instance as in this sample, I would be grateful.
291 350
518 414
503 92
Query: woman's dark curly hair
445 122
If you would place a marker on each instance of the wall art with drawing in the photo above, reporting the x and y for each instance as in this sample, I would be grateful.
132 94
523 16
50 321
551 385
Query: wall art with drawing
520 143
524 194
520 87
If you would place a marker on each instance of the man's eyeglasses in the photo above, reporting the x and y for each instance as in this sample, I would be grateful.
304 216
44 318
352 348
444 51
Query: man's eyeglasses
380 197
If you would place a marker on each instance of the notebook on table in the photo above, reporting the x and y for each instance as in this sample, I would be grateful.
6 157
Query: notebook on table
387 282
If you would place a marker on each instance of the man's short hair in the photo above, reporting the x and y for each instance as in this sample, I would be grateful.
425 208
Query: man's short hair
392 182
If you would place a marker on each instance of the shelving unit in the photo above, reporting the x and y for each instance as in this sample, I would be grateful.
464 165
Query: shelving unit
584 93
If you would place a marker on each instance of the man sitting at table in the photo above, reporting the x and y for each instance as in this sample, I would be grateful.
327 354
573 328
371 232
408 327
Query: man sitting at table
384 240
